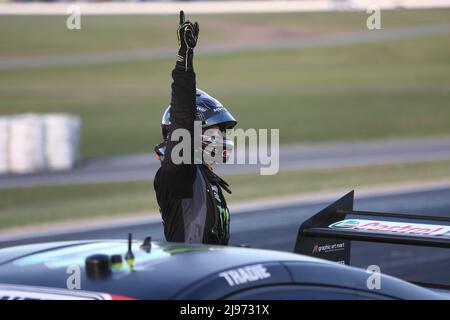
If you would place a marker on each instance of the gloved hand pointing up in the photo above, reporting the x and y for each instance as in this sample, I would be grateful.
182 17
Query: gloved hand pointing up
187 34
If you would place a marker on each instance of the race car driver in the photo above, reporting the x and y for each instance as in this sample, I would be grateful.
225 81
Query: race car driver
190 194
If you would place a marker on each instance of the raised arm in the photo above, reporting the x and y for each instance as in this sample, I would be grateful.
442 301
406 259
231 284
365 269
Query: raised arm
183 104
182 111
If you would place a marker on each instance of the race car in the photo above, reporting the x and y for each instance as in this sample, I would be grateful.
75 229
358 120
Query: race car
130 269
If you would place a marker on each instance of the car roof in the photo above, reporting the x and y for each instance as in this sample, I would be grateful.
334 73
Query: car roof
160 273
178 270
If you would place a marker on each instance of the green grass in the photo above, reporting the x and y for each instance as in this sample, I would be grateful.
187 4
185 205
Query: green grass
27 206
366 91
382 90
41 35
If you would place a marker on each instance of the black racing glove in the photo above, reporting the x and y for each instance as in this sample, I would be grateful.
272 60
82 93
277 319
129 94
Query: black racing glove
187 39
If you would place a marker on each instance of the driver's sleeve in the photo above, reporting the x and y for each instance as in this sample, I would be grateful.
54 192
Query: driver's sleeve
178 179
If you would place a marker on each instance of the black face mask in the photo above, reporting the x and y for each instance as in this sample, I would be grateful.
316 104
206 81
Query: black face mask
213 147
216 149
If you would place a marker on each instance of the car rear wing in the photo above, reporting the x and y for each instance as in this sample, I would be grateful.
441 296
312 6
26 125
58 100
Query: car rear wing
330 233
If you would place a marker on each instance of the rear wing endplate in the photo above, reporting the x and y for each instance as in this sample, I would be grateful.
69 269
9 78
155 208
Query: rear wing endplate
329 233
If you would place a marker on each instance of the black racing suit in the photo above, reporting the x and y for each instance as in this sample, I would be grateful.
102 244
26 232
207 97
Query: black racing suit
190 197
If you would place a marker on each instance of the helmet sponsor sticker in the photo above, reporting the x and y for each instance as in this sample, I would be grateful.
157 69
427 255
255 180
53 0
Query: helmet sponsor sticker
375 226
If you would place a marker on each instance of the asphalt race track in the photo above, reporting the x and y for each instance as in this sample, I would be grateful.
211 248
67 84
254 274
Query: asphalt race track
292 157
148 54
274 229
277 229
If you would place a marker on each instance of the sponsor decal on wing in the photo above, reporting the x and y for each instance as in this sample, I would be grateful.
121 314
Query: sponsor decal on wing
417 229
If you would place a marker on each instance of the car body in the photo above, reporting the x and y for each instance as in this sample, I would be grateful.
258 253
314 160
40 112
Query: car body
161 270
325 264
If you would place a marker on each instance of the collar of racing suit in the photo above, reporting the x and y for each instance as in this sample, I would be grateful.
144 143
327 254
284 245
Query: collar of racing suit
216 179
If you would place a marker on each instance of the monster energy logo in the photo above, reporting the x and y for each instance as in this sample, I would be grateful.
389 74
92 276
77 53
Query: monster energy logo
224 219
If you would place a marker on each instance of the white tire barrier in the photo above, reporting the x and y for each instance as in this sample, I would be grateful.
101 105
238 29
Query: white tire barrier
26 144
62 141
4 140
36 142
